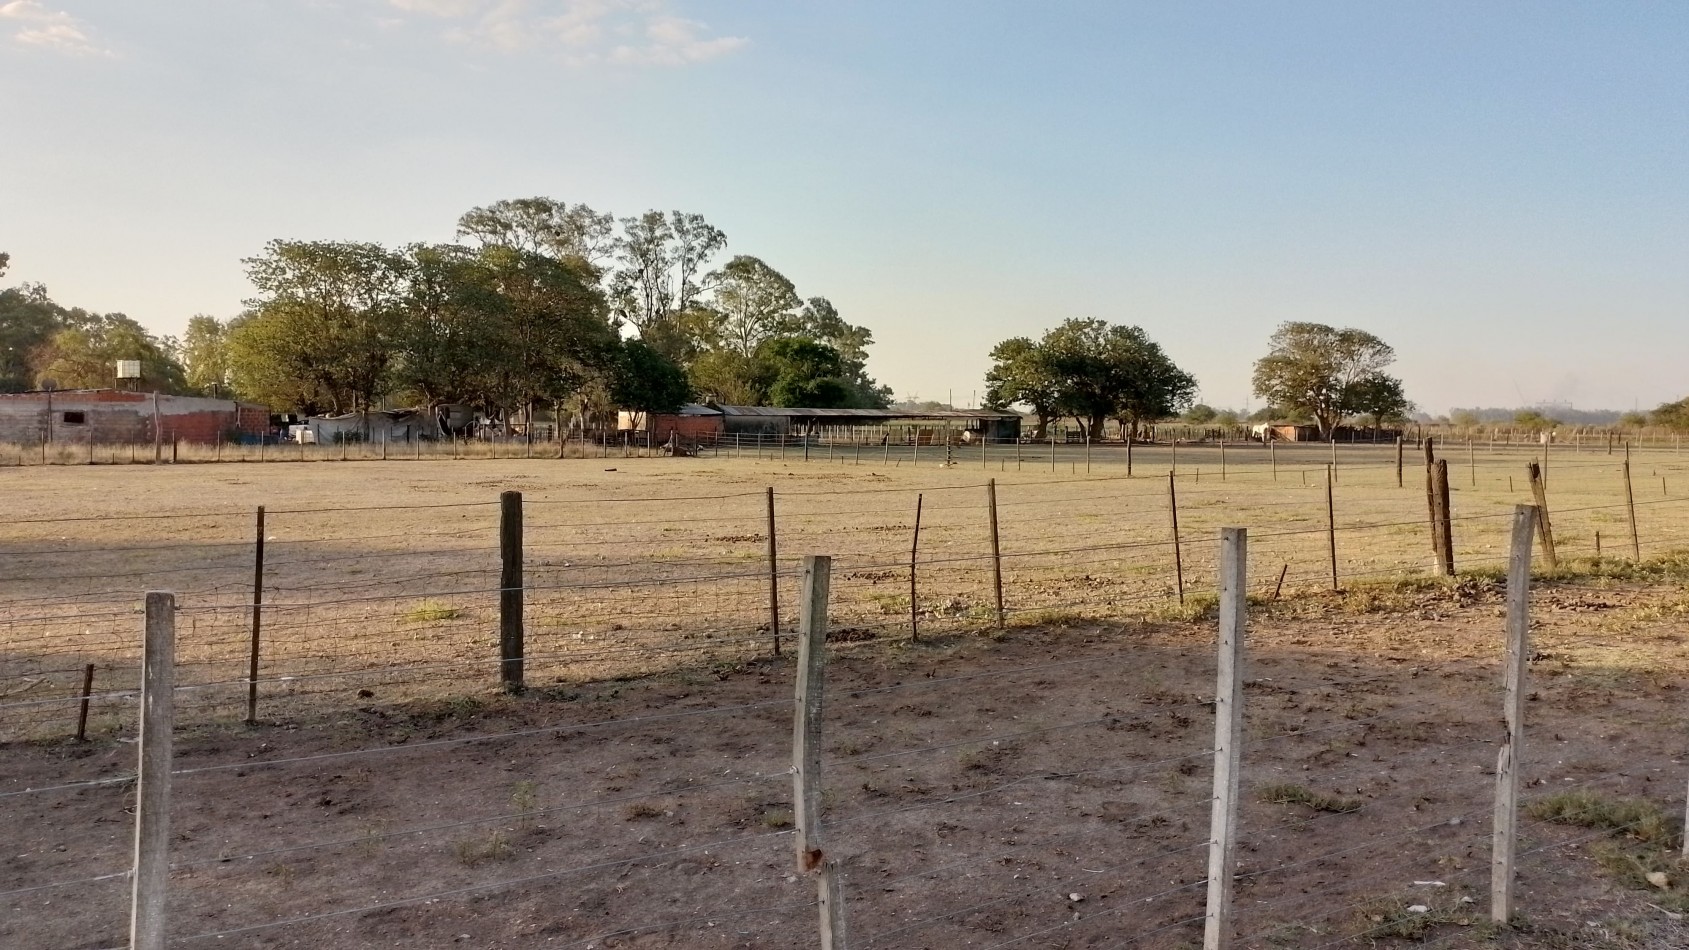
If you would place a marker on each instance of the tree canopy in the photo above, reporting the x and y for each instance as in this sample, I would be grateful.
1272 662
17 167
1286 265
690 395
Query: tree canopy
1324 373
43 343
1091 370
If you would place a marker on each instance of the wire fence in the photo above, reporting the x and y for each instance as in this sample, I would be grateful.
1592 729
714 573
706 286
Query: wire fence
1023 789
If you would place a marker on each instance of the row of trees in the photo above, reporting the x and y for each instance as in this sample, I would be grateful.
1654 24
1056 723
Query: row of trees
546 304
46 345
543 304
1094 371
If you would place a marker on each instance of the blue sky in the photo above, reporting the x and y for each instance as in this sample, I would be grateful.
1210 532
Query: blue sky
1499 190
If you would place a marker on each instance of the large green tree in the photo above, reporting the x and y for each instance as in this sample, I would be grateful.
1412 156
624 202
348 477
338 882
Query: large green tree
28 321
323 332
1020 376
1104 370
644 380
1672 415
1380 398
660 270
84 355
205 355
756 303
544 226
1314 370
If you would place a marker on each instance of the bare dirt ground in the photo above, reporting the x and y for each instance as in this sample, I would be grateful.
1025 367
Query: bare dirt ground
1048 788
637 794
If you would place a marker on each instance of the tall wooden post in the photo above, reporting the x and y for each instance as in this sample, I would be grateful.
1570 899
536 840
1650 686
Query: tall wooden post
1545 531
1630 510
1178 553
157 432
812 857
1129 441
152 790
510 591
773 577
1398 461
1445 521
1228 738
1504 841
257 621
996 550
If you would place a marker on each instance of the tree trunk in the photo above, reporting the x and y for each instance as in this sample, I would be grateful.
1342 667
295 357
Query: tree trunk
1094 428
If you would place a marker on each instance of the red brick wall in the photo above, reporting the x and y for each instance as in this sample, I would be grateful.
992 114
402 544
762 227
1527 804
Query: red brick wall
690 428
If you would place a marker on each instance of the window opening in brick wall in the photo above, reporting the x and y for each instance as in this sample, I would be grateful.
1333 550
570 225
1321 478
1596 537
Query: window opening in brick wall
76 418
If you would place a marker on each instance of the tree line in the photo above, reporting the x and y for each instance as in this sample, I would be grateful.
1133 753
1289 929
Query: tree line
543 305
1093 371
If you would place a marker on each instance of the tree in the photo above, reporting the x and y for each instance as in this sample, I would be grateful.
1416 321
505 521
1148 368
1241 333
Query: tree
1380 397
646 381
1200 414
205 357
1103 371
544 226
819 320
5 262
804 373
84 355
1633 420
756 303
659 266
1532 420
1019 376
1311 369
1226 417
1465 419
450 332
328 318
1672 415
28 321
730 377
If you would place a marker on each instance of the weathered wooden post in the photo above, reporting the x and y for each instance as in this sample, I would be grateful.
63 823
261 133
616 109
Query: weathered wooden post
773 577
1545 531
151 872
510 591
1228 738
1504 841
257 620
812 857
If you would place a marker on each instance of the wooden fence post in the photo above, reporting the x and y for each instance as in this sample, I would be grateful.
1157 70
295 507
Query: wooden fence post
1331 520
1222 460
1431 499
806 748
1630 510
1545 531
1398 461
1228 737
257 621
1129 441
773 577
996 550
1272 453
1505 838
82 707
914 599
1178 554
1445 521
152 790
510 591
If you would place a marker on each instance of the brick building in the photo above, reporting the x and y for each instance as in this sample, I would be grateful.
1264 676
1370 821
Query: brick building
80 416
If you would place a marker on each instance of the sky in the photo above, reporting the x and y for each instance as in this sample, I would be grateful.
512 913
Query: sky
1500 190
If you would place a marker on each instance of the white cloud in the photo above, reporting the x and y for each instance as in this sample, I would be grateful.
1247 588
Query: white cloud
630 32
32 24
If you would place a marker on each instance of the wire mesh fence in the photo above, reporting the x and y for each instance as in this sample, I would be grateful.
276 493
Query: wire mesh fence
1049 790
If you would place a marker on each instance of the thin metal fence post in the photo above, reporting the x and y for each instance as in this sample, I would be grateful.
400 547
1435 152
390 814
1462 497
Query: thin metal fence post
996 551
1228 737
152 790
257 621
510 591
773 577
1505 839
914 599
806 748
1630 510
1331 520
1178 553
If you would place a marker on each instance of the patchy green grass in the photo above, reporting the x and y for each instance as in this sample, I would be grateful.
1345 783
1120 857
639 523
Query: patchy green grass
1302 795
1642 855
432 611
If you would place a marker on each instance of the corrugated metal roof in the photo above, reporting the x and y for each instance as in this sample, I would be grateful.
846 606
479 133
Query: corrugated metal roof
781 412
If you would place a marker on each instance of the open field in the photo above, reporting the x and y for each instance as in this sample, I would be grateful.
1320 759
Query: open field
637 794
